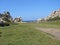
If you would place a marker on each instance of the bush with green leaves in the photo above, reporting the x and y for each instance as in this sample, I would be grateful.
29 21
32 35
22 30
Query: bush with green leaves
54 19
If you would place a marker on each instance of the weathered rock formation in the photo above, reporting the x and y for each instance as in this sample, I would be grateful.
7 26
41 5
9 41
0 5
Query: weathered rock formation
18 19
55 15
5 18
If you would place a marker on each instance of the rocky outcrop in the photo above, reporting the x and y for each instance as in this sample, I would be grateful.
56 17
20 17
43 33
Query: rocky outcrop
53 15
5 19
18 19
7 16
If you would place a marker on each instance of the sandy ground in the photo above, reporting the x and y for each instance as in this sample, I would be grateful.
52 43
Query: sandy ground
53 31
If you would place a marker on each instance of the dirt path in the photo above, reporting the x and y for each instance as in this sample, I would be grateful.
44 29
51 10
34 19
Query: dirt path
53 31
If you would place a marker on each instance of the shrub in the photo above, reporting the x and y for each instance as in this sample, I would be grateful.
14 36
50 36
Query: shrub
4 24
1 23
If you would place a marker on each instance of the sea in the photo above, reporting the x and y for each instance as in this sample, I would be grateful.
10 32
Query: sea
29 21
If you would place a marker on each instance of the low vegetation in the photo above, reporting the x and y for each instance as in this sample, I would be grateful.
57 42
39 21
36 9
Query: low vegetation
26 34
54 19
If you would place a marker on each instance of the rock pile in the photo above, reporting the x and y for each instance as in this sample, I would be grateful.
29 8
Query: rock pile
6 19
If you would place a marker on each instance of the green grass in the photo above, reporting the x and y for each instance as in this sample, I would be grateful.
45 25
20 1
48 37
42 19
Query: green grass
26 34
55 24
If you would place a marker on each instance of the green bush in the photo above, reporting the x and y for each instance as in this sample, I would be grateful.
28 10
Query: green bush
54 19
4 24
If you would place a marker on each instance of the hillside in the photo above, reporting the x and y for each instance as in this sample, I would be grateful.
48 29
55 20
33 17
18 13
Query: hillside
55 15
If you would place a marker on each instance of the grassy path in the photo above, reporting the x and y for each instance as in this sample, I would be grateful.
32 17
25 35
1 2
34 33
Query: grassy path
25 34
53 31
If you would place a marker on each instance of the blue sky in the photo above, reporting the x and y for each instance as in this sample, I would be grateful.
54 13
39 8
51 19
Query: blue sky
29 9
